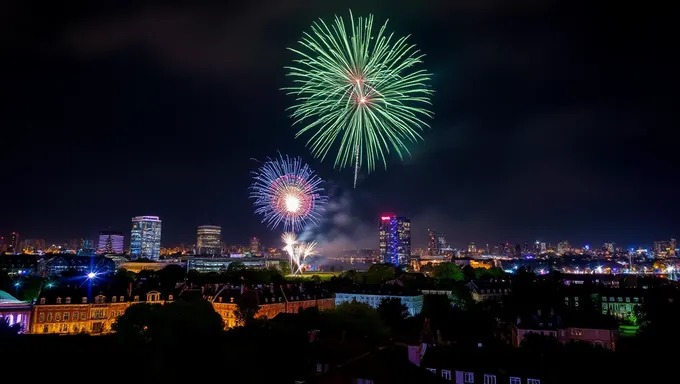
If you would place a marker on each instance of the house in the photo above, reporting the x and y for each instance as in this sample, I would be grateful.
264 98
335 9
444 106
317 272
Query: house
381 366
480 366
412 300
483 290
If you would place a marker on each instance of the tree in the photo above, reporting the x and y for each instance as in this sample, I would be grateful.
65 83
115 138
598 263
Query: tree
236 267
169 323
379 273
171 275
7 330
315 279
392 312
248 306
469 273
356 321
448 271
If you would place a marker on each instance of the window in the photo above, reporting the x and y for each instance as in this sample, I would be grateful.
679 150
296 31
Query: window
533 381
65 316
446 374
84 300
576 332
57 316
319 367
58 300
433 370
41 318
469 377
68 300
75 316
515 380
489 379
83 316
113 299
42 300
49 316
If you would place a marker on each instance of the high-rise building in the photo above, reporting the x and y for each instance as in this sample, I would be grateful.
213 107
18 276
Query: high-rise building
110 242
145 238
255 245
664 249
395 239
209 240
14 245
436 242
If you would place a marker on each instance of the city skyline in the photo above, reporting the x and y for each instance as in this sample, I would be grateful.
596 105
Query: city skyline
539 133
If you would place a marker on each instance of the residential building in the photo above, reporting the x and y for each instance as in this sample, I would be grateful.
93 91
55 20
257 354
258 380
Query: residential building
15 311
483 290
70 311
413 302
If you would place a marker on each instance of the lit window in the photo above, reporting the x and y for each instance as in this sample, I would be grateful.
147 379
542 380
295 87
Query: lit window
446 374
469 377
319 367
41 318
533 381
68 300
49 316
65 316
57 316
515 380
489 379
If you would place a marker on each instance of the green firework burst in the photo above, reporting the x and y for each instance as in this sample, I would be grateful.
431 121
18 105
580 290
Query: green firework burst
358 93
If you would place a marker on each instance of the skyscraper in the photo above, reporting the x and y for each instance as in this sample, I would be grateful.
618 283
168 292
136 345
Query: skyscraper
145 238
209 240
436 242
255 245
395 239
110 242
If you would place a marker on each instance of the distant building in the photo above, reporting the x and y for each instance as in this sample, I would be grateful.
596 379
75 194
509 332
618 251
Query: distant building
110 243
255 245
83 264
19 265
436 243
14 244
209 240
664 249
413 303
15 311
145 238
395 239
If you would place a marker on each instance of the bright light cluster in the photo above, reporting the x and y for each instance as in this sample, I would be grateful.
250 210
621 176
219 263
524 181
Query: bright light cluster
297 251
286 191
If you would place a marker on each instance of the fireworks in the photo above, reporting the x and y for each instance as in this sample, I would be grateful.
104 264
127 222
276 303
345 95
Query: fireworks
297 251
359 91
287 191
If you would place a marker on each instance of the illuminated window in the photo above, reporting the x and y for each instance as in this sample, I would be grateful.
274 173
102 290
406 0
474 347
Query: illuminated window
66 316
515 380
75 316
42 300
57 316
489 379
68 300
41 318
83 316
446 374
469 377
58 300
319 367
49 316
533 381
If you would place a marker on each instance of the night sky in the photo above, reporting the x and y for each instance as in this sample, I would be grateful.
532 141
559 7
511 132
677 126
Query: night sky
551 120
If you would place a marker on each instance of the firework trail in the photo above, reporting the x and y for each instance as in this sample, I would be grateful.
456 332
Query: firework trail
297 251
358 92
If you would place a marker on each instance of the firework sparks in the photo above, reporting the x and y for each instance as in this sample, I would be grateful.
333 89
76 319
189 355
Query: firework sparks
297 251
358 91
287 191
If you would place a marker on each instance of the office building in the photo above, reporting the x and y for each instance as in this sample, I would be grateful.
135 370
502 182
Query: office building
255 245
209 240
436 243
395 239
145 238
110 243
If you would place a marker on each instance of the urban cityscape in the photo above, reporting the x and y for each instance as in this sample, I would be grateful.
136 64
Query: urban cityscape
322 193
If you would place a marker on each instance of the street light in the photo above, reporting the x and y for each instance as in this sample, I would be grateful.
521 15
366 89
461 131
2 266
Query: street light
91 275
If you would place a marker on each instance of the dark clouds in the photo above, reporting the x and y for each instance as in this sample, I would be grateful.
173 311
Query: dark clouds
549 119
